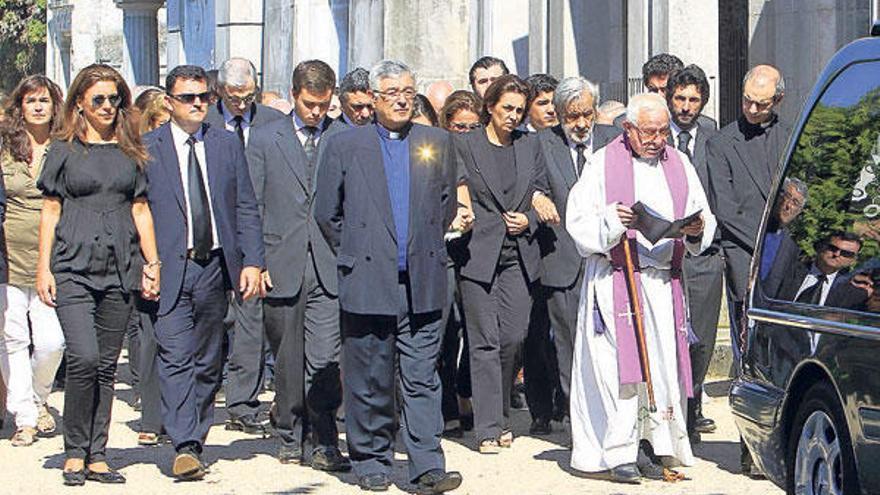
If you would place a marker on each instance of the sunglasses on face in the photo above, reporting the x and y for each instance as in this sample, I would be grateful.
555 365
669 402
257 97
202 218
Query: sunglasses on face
190 98
238 101
844 253
98 100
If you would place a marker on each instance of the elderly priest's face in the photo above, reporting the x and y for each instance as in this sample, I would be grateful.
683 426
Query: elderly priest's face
647 136
393 102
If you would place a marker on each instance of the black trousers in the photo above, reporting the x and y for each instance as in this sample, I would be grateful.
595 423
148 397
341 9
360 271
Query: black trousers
704 279
190 340
540 374
455 372
304 334
736 275
94 325
143 360
244 375
498 318
370 346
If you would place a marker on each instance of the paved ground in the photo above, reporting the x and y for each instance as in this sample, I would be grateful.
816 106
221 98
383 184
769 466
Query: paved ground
245 465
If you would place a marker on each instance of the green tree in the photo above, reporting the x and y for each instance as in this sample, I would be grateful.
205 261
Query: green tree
22 40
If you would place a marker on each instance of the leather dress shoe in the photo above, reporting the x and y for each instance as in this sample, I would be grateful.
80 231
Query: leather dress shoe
74 478
704 425
377 482
290 453
109 477
540 426
330 459
437 481
188 465
625 473
650 469
247 424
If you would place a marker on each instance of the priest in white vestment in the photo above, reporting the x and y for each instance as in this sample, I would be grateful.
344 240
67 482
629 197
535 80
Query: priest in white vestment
609 406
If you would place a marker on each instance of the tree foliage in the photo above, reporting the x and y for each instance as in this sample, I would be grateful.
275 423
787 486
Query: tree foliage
22 40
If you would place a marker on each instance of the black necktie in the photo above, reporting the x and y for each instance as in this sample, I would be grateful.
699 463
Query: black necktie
309 146
581 150
813 293
239 128
684 139
200 214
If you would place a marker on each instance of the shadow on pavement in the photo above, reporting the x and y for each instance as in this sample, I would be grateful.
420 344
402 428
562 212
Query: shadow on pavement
725 455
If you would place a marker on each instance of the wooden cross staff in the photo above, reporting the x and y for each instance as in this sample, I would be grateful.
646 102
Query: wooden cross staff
638 319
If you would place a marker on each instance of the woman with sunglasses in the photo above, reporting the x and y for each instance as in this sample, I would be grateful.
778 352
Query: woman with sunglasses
504 169
94 222
32 111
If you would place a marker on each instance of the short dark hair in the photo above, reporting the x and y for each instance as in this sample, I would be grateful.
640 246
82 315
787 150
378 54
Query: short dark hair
692 74
843 235
507 83
355 81
660 65
422 106
313 75
185 72
540 83
485 63
459 100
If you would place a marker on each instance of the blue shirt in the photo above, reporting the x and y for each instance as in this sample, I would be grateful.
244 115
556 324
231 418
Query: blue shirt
772 240
395 157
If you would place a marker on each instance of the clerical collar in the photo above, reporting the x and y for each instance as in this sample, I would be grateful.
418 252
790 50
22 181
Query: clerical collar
228 117
393 135
749 129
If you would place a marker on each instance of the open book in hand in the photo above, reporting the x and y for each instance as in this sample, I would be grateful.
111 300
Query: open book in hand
654 227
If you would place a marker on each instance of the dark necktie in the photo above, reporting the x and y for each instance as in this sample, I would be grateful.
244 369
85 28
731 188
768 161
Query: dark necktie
239 128
581 150
684 139
200 214
813 293
309 146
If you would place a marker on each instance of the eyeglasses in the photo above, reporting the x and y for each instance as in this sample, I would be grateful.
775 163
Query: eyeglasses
190 98
797 202
575 116
760 105
462 127
653 134
236 101
395 94
98 100
845 253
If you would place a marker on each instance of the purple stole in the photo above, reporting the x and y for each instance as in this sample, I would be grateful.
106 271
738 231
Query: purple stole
620 188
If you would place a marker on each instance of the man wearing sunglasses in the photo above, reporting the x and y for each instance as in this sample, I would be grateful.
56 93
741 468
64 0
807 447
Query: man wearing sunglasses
209 238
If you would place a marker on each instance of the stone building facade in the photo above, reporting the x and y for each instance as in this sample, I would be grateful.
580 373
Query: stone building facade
604 40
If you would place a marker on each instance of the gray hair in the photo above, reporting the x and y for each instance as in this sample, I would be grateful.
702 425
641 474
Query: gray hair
571 89
355 81
780 83
798 185
236 72
642 102
388 68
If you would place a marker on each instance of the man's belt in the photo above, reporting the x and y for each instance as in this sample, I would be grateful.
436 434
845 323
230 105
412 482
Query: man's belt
192 255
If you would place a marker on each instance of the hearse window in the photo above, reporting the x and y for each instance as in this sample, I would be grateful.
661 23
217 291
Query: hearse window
822 245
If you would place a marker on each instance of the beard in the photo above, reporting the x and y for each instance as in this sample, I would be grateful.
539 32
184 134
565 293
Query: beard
575 138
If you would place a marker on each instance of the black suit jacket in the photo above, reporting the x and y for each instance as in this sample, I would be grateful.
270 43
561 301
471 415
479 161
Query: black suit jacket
481 246
353 211
562 263
285 193
260 115
740 178
236 216
842 294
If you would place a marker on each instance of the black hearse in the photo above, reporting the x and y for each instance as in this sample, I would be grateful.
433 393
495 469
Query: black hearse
807 398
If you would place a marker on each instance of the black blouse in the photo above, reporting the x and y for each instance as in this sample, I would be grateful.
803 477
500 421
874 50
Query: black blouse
96 242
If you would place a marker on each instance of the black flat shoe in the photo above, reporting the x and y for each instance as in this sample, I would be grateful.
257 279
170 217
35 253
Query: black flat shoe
330 459
246 424
540 426
109 477
704 425
626 473
377 482
74 478
437 481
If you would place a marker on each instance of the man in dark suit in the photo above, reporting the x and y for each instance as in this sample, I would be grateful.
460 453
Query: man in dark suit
687 93
744 158
300 311
237 111
566 148
209 240
780 253
355 98
385 196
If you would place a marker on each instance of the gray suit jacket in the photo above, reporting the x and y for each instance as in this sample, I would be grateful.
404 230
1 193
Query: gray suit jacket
353 210
562 262
260 115
285 195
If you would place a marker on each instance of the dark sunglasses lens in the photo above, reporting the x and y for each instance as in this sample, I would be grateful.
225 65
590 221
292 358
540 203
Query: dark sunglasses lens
847 254
98 101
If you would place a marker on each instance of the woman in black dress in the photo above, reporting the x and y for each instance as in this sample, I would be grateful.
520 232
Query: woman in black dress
94 222
501 261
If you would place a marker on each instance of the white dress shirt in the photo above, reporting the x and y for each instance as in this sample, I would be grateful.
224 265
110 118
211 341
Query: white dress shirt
676 131
229 120
180 137
572 148
812 278
302 134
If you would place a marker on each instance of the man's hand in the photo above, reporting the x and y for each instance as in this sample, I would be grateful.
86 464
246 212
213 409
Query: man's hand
516 222
249 282
545 209
464 220
626 215
46 287
863 281
265 283
695 228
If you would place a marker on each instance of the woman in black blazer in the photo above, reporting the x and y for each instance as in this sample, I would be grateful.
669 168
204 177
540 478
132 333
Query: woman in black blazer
501 261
